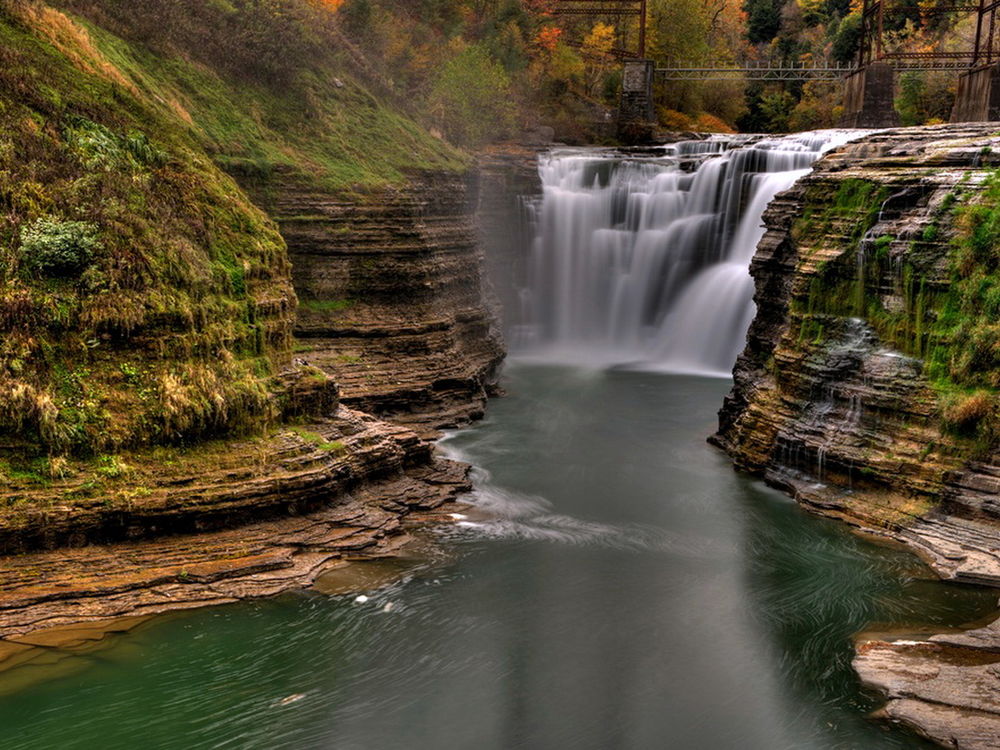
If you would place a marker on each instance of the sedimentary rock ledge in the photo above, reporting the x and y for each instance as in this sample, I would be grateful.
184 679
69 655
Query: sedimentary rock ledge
394 303
97 583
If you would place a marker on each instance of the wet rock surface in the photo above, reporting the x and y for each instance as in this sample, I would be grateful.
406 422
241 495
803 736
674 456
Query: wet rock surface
232 525
848 422
508 181
102 582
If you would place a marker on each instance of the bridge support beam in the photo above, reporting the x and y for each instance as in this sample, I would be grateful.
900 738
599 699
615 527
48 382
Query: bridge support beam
868 98
636 118
978 96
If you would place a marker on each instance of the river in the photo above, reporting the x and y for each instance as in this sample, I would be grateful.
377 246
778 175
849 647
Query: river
621 588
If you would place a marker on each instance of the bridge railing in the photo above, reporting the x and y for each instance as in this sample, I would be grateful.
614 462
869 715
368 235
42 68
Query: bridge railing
768 70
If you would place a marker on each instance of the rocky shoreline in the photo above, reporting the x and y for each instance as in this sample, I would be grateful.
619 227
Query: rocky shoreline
348 476
364 516
107 582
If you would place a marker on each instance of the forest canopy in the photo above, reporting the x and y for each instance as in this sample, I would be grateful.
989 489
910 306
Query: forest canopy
537 67
480 70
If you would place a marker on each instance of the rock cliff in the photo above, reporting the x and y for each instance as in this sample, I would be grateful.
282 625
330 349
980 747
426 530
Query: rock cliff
867 385
393 299
205 287
509 180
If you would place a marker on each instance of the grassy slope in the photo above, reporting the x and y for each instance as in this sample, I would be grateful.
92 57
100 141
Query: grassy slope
172 329
316 119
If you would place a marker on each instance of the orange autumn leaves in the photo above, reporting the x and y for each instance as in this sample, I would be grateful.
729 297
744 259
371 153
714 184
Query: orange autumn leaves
548 37
331 5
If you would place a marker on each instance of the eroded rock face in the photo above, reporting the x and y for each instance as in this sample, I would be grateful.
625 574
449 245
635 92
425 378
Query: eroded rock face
98 583
397 313
951 695
835 400
155 418
394 303
508 179
828 404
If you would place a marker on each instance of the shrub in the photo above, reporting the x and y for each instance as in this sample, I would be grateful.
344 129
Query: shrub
471 99
97 147
707 123
113 467
673 120
58 248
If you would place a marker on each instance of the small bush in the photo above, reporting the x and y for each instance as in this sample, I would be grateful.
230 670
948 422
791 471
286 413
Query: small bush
673 120
707 123
113 467
964 414
99 148
471 99
58 248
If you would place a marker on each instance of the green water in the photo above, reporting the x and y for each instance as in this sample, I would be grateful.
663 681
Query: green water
633 592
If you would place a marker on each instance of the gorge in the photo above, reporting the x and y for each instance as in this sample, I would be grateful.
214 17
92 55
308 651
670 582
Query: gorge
539 514
249 320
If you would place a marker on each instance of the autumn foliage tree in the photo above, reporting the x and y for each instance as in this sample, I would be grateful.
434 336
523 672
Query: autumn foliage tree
596 52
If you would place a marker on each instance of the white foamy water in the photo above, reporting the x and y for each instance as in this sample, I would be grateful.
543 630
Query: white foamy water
637 261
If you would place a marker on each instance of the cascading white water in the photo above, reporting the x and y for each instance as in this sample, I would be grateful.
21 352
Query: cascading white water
637 260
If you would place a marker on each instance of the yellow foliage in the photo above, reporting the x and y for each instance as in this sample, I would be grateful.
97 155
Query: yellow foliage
600 41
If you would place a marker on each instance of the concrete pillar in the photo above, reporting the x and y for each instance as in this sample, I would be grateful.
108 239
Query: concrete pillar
636 117
978 95
868 98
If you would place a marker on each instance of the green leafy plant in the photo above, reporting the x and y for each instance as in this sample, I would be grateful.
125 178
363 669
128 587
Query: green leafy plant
58 248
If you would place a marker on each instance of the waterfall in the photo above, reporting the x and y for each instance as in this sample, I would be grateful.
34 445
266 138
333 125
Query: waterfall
645 259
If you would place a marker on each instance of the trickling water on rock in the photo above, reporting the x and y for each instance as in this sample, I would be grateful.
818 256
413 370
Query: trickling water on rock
646 260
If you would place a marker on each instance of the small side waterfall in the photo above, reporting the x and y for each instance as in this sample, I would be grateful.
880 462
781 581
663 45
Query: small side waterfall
646 259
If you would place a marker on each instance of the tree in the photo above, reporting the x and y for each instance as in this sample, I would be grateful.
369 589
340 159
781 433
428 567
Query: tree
471 98
848 38
596 54
763 20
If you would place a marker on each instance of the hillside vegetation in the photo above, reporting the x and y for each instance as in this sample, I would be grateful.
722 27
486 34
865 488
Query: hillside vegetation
145 300
508 64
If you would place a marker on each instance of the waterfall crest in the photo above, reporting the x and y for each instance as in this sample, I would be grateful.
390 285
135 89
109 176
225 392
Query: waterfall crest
645 260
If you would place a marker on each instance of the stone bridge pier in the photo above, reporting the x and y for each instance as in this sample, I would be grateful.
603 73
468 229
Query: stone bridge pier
869 94
868 98
978 95
636 117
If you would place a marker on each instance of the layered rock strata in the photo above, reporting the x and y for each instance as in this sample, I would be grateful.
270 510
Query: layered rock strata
840 393
394 303
395 308
232 522
105 582
156 427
